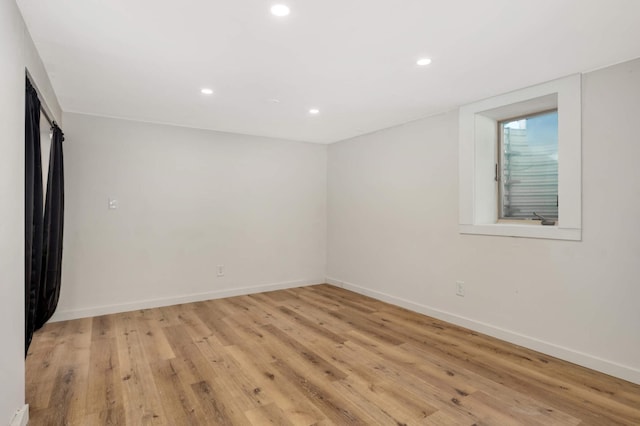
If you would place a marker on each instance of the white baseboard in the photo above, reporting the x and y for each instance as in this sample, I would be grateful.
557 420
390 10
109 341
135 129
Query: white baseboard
176 300
21 418
605 366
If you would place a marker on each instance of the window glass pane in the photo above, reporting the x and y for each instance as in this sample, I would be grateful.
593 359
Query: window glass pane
529 166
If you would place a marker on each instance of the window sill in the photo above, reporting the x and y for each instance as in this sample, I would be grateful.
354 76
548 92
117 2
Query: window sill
523 230
529 222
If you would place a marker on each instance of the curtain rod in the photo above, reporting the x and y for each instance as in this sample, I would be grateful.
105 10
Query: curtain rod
52 123
43 105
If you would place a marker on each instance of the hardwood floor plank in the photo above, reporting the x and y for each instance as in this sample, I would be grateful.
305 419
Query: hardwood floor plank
247 330
446 381
312 297
278 296
309 305
104 387
66 390
268 415
111 417
458 346
172 315
70 384
191 364
320 394
443 400
354 304
312 326
548 411
312 361
213 320
401 405
180 404
317 355
152 338
102 327
46 354
213 407
297 408
382 415
143 404
513 411
366 325
454 380
230 375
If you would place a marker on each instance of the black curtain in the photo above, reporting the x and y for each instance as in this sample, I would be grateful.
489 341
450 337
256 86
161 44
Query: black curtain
32 210
49 292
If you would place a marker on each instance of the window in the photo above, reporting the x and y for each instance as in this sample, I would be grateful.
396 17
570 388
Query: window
520 154
527 167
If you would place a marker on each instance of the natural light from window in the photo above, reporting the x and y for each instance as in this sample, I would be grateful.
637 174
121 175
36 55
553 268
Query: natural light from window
528 167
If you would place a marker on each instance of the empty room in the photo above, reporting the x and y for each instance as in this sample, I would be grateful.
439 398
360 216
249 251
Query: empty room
298 212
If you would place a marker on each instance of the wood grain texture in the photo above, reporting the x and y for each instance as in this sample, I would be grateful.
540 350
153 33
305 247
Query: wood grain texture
316 355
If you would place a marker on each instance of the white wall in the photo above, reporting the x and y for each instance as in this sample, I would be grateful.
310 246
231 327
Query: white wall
188 200
393 234
16 52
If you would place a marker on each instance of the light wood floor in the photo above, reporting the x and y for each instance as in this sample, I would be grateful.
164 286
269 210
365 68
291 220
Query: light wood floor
309 356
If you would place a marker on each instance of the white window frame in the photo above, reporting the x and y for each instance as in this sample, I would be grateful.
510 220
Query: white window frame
478 144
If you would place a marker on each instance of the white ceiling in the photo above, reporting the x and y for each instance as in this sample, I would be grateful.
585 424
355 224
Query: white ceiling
353 59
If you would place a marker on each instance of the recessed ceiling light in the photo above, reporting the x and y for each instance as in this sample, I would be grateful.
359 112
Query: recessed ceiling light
423 61
314 111
280 10
206 91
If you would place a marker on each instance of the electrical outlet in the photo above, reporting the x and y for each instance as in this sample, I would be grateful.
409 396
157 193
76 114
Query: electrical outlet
460 288
220 269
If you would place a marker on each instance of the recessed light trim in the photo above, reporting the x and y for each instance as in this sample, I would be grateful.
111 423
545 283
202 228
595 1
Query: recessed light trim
206 91
314 111
280 10
423 61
